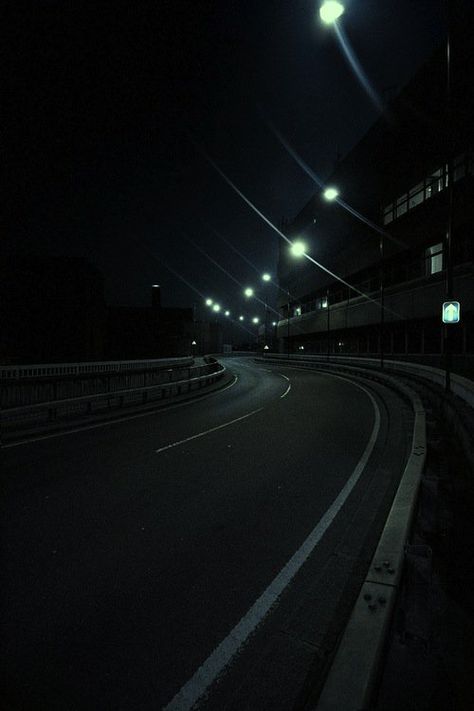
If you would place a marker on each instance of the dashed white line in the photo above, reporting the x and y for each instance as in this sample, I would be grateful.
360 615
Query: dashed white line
120 419
213 429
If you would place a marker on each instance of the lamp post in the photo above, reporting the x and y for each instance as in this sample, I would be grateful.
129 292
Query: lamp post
448 242
330 194
256 321
297 249
266 278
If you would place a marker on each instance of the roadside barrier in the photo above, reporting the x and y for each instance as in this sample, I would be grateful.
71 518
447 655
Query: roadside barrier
16 420
354 670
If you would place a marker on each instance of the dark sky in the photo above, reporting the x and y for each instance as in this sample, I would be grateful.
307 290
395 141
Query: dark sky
103 97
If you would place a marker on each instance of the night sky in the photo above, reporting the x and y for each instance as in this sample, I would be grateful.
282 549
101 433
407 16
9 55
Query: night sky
102 101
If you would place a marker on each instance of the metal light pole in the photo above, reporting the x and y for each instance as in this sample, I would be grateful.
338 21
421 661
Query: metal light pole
449 226
288 324
382 297
327 306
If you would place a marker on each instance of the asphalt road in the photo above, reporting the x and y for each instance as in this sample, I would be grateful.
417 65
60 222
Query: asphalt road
145 559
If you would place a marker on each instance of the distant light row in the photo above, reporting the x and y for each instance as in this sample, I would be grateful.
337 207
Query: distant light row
217 308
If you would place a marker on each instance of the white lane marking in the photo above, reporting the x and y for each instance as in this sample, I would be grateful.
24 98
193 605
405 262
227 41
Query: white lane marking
160 411
218 660
213 429
288 388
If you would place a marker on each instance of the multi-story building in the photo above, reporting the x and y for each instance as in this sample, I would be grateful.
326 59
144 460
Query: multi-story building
409 248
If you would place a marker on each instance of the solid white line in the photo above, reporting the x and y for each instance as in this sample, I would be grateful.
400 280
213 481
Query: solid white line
213 429
159 411
288 388
217 661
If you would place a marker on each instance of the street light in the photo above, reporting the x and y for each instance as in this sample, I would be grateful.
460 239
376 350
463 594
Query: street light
216 308
241 318
266 277
330 194
227 313
255 319
330 11
209 302
298 249
248 292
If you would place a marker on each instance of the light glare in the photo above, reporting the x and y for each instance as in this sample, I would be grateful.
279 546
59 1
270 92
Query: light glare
331 194
248 292
330 11
266 277
298 249
209 302
216 308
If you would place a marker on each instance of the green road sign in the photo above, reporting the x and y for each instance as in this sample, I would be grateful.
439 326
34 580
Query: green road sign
451 312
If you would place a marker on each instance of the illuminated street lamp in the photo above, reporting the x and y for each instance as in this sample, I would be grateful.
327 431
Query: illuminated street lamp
298 249
248 292
227 313
266 277
216 308
330 194
255 319
241 318
330 11
209 302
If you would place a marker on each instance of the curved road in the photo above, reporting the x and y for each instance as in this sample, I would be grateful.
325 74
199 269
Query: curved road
222 539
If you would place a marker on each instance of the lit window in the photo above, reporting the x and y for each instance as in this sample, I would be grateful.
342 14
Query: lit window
402 205
297 311
434 259
434 183
415 196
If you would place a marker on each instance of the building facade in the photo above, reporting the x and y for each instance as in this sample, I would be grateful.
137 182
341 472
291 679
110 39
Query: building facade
397 243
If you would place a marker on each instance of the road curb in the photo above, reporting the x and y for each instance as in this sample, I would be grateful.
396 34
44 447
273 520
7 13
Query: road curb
355 667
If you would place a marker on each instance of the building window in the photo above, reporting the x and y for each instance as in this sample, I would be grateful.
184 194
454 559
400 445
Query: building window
415 196
434 259
426 189
297 311
388 214
402 206
435 183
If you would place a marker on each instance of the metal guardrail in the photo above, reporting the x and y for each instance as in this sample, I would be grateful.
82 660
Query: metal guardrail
17 419
20 372
460 386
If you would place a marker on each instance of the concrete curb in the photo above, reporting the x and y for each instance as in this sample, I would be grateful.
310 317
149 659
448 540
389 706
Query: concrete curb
355 667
